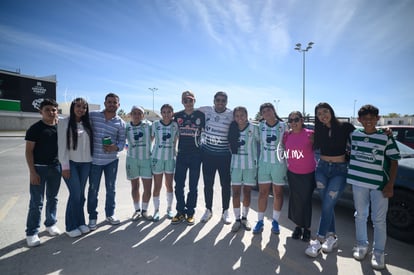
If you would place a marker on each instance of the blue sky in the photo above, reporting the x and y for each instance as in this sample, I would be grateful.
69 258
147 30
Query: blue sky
363 51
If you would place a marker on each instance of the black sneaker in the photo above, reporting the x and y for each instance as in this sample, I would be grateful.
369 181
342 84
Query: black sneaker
297 233
306 235
178 218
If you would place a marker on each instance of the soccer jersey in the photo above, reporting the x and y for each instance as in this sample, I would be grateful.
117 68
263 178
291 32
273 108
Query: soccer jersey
271 142
370 159
246 157
190 126
139 140
214 138
164 137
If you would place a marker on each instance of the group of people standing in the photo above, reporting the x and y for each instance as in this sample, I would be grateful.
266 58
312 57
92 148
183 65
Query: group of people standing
270 153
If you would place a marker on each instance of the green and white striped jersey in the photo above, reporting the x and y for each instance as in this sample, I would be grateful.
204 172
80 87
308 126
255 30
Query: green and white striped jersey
139 140
370 159
164 137
271 146
246 157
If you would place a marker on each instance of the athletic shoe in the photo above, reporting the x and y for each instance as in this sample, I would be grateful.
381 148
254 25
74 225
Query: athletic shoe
207 216
330 243
190 219
74 233
275 227
53 230
177 218
359 252
226 217
136 216
297 233
33 240
113 220
156 216
236 226
144 214
306 235
92 224
258 228
84 229
314 248
170 213
246 224
378 260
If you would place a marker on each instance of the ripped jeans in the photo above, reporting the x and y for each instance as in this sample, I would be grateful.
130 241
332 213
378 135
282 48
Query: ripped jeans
330 183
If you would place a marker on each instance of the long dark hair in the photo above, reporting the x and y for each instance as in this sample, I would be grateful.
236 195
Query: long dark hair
335 123
72 131
269 105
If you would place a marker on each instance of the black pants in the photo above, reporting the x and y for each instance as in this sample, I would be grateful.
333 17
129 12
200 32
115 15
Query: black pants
211 164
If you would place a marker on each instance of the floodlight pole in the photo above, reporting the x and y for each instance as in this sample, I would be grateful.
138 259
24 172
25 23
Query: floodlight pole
303 51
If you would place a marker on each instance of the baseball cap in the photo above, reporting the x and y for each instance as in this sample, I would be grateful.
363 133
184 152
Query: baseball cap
135 107
187 94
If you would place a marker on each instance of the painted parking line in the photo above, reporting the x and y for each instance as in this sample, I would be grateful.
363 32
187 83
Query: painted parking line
8 205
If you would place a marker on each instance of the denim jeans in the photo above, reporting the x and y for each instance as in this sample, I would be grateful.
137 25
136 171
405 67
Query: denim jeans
79 173
49 181
379 207
211 164
330 182
192 163
110 170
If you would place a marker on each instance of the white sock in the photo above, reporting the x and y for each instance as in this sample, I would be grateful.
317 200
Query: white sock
236 213
245 211
170 197
156 201
136 206
260 216
276 215
144 206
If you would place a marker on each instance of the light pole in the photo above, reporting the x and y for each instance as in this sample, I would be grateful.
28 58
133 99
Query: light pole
353 118
153 90
276 101
303 51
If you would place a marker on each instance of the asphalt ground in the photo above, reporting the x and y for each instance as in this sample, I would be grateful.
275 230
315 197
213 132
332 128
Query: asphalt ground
145 247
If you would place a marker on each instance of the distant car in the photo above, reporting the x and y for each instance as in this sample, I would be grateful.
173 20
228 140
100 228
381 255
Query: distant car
402 133
400 217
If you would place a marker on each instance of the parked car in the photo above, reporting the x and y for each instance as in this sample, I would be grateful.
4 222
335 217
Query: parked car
400 217
402 133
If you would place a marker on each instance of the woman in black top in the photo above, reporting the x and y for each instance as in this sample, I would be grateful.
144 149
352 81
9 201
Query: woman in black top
331 137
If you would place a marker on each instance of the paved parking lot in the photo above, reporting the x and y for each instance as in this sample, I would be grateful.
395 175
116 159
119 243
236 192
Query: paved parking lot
161 248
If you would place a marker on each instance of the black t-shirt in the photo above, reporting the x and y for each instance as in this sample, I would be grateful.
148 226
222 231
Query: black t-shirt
333 140
190 127
46 148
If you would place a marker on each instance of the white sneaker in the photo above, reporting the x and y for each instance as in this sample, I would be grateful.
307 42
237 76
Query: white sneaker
113 220
53 230
314 248
207 215
330 243
378 260
84 229
92 224
226 217
74 233
33 240
360 252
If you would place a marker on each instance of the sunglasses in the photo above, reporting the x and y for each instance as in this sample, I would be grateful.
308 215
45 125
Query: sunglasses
188 100
296 120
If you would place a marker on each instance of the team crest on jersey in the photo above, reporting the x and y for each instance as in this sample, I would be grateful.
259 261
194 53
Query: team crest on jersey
198 121
217 119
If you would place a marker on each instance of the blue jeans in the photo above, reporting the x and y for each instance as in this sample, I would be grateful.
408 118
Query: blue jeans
191 162
110 170
379 207
79 173
330 182
49 181
211 164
